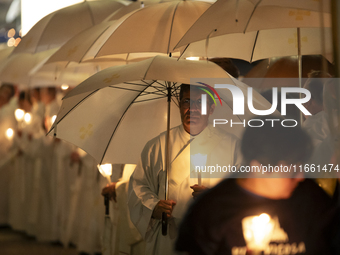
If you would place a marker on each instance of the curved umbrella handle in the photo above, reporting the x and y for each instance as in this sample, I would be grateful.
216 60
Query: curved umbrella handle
164 224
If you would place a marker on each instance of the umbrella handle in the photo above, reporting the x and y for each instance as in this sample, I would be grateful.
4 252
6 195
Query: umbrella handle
107 204
164 224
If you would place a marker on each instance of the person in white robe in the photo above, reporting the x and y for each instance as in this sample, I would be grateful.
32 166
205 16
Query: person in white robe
317 126
125 237
7 120
147 184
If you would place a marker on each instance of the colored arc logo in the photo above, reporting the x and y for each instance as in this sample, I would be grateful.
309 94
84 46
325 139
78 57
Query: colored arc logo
209 93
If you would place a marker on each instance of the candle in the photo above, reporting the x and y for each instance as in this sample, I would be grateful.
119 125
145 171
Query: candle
106 171
257 232
9 133
27 118
19 114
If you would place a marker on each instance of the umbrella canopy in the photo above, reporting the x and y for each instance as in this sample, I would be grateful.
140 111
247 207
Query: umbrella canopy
56 28
16 68
78 47
115 112
155 28
241 16
29 70
262 44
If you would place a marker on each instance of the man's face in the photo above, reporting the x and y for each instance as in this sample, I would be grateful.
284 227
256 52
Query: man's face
190 108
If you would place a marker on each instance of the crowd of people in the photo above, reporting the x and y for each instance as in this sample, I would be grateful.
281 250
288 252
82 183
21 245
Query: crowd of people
51 190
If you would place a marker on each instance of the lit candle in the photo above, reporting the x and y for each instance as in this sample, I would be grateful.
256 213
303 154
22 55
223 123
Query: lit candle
257 232
19 114
53 118
199 160
64 87
9 133
106 171
27 118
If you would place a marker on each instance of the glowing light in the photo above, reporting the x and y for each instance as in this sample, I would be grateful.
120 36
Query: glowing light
17 41
11 33
257 231
28 118
53 118
193 58
19 114
9 133
106 171
64 87
11 42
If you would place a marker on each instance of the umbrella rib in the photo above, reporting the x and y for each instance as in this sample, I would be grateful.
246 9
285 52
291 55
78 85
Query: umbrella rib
252 52
134 90
127 108
90 11
148 99
94 43
172 22
72 109
245 28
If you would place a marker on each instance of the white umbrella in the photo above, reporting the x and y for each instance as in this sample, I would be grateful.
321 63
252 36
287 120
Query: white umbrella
56 28
241 16
16 68
262 44
29 70
78 49
130 104
156 28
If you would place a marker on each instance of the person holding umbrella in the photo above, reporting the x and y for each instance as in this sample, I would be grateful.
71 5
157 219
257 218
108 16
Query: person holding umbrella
147 184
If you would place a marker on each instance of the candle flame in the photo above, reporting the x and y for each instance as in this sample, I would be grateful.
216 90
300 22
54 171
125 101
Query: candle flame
257 231
105 170
64 87
53 118
193 58
27 118
9 133
19 114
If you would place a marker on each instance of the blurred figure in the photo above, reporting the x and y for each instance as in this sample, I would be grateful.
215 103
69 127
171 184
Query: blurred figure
317 126
303 217
49 98
126 238
7 122
38 107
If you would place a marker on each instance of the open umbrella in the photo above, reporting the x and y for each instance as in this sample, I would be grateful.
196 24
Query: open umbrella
56 28
78 49
130 104
262 44
241 16
155 28
16 68
29 70
252 30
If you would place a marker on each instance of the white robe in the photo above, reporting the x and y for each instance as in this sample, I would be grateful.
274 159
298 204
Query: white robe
147 183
